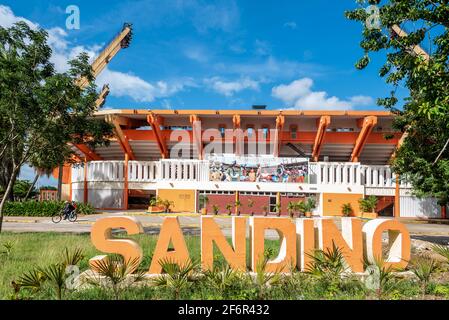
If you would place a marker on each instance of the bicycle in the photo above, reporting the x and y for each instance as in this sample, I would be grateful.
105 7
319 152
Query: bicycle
72 216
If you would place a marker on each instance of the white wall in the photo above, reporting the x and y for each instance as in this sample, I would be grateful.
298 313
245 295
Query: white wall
412 207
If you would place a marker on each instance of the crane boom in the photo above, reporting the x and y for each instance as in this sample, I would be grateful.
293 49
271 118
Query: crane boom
417 49
120 41
102 96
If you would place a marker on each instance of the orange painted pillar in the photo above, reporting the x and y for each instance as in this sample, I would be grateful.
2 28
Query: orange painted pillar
278 202
237 198
70 183
397 199
125 188
443 212
86 190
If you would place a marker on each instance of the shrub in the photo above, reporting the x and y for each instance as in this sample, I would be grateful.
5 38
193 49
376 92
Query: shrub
423 268
369 204
346 210
85 208
229 209
442 251
42 209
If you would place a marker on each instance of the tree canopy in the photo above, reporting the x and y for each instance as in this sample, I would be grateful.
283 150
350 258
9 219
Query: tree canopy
423 156
41 110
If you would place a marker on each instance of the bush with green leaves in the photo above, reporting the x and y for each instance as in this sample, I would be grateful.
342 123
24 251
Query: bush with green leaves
115 273
53 276
368 204
176 277
42 209
423 268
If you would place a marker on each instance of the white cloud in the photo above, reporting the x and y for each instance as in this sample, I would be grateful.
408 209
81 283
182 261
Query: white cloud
270 68
57 40
229 88
196 53
121 84
291 24
299 95
7 18
127 84
221 15
263 48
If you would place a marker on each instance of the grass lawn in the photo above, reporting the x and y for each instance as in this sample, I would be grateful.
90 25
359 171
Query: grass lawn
30 250
42 249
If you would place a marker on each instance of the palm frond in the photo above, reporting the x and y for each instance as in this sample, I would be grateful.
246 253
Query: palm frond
31 280
442 251
72 257
329 262
55 273
115 268
423 268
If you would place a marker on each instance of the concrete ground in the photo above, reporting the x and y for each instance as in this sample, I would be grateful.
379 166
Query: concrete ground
190 223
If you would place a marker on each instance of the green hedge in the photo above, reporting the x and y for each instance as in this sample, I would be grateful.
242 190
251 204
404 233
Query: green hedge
42 209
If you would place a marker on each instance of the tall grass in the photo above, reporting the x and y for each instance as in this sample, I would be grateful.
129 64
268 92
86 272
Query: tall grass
33 257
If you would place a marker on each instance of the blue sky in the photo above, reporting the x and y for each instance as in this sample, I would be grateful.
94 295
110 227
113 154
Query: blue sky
225 54
220 54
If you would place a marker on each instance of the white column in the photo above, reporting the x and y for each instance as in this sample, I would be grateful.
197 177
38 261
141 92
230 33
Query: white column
318 173
345 174
369 181
325 173
351 174
358 175
332 174
375 176
191 169
382 177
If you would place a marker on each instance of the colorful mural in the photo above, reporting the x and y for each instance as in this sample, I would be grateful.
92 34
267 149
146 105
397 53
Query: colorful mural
243 170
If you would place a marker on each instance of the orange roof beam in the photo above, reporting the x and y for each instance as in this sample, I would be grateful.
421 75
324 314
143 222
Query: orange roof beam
323 124
75 158
280 122
367 127
240 139
88 153
197 135
122 139
155 123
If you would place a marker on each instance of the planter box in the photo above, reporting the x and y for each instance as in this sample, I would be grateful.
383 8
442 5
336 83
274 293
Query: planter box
156 209
369 215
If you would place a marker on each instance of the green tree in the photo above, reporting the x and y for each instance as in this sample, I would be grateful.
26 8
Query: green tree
423 157
22 188
41 110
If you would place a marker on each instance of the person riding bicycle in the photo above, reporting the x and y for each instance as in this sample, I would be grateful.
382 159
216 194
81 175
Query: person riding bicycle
69 207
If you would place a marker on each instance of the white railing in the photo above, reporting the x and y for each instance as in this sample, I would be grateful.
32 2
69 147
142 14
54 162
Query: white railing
381 177
77 173
321 173
99 171
354 174
184 170
143 171
106 171
335 173
378 176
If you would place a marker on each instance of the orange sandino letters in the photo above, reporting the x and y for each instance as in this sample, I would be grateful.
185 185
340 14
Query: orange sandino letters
299 238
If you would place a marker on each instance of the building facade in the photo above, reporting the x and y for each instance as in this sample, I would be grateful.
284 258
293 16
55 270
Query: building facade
256 162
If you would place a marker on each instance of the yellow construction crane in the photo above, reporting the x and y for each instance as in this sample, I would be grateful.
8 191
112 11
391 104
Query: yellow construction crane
396 30
121 41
